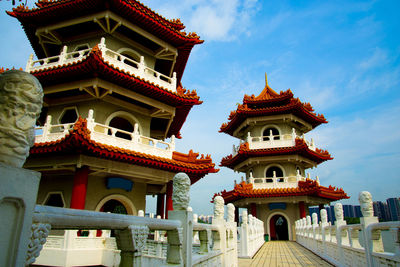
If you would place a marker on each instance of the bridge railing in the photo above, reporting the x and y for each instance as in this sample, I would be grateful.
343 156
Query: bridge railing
369 243
251 236
172 242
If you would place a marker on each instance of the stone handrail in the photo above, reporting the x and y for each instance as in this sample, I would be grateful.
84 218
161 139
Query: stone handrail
217 246
251 234
107 135
128 65
369 243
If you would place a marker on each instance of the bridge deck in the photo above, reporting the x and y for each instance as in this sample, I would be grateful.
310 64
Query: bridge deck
283 253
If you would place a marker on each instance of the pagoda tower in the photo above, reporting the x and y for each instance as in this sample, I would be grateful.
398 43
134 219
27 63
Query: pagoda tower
274 156
111 72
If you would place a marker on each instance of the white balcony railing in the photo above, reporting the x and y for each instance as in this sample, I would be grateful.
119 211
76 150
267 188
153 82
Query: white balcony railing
128 65
274 141
107 135
276 182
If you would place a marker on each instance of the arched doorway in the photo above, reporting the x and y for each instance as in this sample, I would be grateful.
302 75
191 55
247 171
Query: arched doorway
114 206
278 228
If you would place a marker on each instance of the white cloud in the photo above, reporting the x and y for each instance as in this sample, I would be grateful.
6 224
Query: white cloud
378 59
215 20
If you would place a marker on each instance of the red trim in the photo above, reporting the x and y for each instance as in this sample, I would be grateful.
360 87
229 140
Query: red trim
300 148
78 141
94 66
133 11
253 209
302 110
302 209
304 188
168 205
78 196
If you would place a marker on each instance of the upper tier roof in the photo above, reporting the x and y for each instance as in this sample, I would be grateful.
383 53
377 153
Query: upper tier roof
78 141
94 65
52 12
268 103
300 148
305 188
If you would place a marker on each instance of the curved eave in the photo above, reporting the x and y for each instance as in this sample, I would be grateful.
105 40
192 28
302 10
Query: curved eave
282 98
300 148
296 108
78 141
132 11
305 188
94 66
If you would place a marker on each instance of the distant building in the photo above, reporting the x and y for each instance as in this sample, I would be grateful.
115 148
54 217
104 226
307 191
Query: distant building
393 205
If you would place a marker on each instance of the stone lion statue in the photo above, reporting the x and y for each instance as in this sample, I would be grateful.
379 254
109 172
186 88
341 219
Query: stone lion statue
21 99
365 200
338 211
218 207
231 212
180 191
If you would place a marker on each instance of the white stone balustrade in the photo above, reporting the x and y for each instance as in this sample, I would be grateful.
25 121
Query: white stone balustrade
105 134
251 236
369 243
128 65
276 182
274 141
131 247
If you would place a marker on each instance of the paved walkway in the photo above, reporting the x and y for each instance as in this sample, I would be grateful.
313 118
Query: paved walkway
283 253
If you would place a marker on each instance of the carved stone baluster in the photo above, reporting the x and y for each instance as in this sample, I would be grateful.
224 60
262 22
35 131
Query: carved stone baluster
131 242
39 233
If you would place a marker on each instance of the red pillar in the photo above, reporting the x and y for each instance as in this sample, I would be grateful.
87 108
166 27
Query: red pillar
168 205
253 209
302 209
160 205
79 188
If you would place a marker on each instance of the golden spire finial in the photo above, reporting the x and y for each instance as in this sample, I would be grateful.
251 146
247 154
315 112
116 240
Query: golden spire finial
266 80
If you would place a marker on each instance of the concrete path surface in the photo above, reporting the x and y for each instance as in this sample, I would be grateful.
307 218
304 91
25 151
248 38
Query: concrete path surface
283 253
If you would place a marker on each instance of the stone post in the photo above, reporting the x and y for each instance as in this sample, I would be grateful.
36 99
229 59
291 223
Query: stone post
339 235
219 236
182 212
373 241
21 97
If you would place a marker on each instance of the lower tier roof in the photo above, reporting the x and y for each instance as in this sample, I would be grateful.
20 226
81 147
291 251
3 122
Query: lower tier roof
305 188
78 141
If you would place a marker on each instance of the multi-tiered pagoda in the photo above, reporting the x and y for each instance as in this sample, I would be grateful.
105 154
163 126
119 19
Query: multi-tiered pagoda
111 72
274 155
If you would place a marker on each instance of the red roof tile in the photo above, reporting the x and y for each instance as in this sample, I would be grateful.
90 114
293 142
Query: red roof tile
304 188
51 12
95 66
270 102
78 141
300 148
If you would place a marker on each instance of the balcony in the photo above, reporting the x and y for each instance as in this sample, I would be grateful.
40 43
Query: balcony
276 182
121 62
107 135
274 141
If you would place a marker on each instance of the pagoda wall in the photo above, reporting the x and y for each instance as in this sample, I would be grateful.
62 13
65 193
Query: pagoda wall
112 43
96 195
291 213
283 128
288 168
102 111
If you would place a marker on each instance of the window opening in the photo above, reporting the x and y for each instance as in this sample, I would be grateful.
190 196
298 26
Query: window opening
122 124
270 174
267 134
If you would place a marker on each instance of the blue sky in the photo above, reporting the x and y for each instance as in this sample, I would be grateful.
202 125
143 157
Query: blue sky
341 56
